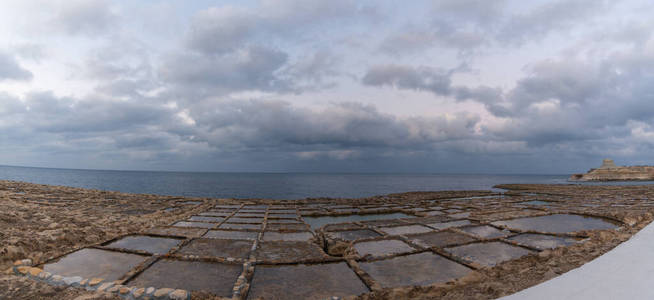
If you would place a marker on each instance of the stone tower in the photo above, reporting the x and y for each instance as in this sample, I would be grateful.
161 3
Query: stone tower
608 164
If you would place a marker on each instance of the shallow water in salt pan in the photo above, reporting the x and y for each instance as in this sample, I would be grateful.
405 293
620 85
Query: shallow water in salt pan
146 243
89 263
216 278
416 269
488 254
321 281
559 223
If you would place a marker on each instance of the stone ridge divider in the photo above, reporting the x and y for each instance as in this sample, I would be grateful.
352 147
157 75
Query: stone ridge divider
24 268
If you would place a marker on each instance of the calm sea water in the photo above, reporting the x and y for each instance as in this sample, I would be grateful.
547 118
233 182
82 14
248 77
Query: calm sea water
268 185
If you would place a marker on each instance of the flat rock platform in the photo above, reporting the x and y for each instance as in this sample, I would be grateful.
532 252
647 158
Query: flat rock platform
80 244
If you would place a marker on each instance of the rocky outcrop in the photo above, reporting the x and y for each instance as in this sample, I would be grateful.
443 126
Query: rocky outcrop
610 172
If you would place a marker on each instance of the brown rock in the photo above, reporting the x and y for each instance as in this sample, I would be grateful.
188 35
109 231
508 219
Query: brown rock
138 292
23 270
179 295
95 281
162 292
35 271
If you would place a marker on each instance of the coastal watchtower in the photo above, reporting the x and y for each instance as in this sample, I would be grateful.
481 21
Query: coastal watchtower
608 164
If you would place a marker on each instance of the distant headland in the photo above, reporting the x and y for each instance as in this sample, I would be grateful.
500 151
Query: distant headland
610 172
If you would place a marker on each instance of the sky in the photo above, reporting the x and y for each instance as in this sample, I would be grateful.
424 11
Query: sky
442 86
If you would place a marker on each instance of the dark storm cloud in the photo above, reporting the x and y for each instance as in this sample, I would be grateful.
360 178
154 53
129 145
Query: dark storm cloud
261 124
558 101
252 68
405 77
437 81
235 88
340 131
10 69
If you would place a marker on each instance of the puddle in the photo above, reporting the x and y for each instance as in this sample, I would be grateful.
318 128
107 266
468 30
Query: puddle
416 269
231 235
486 232
409 229
288 251
171 209
149 244
542 242
194 224
190 275
218 248
321 281
178 231
287 236
191 202
488 254
205 219
89 263
352 235
560 223
383 247
440 239
317 222
444 225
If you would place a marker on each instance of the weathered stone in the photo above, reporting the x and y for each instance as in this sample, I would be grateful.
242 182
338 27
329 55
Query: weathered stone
44 275
136 293
23 262
84 282
162 292
124 290
179 295
149 291
35 271
23 270
95 281
74 280
103 287
57 279
115 288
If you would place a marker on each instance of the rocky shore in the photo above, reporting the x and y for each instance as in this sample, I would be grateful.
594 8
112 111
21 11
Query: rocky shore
610 172
42 223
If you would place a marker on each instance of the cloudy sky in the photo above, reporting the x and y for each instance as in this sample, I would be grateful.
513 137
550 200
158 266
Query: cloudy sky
462 86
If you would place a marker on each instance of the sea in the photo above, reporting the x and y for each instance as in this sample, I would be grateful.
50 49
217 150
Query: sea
273 185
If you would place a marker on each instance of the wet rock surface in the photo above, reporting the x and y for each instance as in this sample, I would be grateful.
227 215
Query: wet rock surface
422 245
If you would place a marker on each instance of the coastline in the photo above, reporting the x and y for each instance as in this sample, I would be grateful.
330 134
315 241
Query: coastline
42 222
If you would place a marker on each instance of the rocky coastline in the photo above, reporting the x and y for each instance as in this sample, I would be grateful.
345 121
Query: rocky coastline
610 172
39 224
